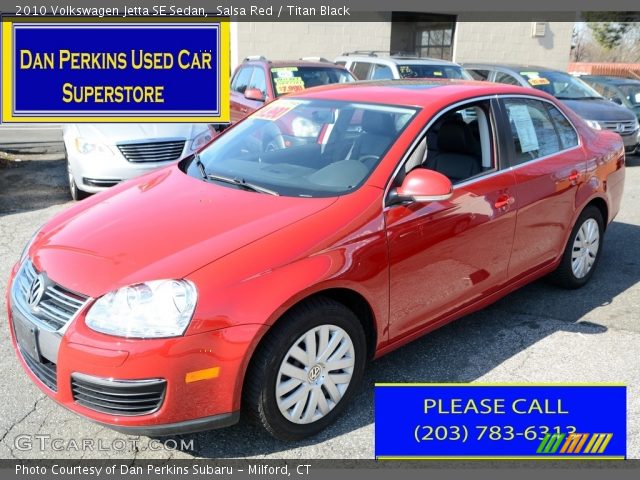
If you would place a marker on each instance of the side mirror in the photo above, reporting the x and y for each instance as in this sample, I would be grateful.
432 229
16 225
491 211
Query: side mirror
616 100
424 185
254 94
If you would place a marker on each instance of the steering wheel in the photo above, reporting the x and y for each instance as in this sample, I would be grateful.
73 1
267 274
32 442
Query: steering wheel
272 138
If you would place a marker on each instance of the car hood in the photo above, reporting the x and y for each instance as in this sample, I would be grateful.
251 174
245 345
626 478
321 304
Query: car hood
599 110
113 133
162 225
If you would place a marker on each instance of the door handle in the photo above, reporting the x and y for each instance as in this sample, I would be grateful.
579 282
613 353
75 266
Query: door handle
244 110
504 201
573 177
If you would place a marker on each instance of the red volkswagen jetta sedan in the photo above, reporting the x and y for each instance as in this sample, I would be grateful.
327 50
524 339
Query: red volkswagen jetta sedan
262 273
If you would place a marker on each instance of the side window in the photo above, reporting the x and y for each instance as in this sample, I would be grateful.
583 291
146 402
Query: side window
459 144
533 132
360 70
566 131
598 87
381 72
481 75
241 80
258 81
502 77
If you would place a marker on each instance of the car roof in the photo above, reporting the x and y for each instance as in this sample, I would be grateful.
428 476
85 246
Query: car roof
413 92
510 66
613 80
291 63
397 59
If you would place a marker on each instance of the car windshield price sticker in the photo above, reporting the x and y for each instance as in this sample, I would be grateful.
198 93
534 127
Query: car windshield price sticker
499 422
520 116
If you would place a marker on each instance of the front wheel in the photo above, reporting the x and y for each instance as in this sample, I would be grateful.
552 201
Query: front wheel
76 193
306 370
582 252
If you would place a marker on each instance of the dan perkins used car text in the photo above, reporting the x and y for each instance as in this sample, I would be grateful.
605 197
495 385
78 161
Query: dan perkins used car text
188 11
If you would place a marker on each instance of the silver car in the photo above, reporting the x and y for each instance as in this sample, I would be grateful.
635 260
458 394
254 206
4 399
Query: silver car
102 155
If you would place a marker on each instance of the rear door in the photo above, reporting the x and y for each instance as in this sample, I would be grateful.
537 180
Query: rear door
548 164
448 254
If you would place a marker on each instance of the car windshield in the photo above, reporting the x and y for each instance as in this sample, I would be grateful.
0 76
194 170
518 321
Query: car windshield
433 71
304 148
293 79
632 93
560 85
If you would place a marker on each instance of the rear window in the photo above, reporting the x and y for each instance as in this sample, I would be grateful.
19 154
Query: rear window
294 79
432 71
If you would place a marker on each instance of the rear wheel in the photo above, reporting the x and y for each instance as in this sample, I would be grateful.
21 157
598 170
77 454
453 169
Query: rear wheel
306 370
582 252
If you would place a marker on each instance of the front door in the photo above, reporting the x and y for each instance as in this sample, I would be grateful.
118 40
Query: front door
447 254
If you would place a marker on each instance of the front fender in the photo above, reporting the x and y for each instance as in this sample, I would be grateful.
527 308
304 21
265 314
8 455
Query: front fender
360 266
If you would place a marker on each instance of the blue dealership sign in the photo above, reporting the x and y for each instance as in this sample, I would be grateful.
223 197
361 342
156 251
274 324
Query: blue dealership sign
115 71
500 421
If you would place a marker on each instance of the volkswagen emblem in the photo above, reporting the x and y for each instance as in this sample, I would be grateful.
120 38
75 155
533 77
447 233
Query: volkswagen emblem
314 373
36 290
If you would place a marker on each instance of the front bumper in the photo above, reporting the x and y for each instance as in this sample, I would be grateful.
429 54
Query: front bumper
185 406
631 142
95 173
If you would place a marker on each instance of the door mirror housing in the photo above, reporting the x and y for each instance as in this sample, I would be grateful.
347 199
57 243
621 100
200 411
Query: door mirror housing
254 94
424 185
616 100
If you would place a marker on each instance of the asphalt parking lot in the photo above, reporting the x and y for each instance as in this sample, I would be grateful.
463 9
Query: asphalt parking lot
538 334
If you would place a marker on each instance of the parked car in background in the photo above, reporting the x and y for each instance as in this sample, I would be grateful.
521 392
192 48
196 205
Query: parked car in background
100 156
599 112
265 279
623 91
258 81
372 65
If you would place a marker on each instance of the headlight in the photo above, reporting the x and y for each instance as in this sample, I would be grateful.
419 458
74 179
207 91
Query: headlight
86 146
593 124
159 308
202 139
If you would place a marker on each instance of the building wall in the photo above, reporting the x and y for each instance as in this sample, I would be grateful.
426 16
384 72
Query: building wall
292 40
509 42
512 42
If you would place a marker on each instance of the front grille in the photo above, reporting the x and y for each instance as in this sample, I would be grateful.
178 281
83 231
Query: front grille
623 128
118 397
45 371
152 152
56 306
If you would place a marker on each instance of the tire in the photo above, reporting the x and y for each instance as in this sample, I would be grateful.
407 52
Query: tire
76 193
579 261
288 414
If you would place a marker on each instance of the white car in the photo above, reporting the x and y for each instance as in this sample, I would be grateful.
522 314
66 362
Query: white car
372 65
102 155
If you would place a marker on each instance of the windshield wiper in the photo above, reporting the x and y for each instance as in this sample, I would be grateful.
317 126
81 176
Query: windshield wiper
240 182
